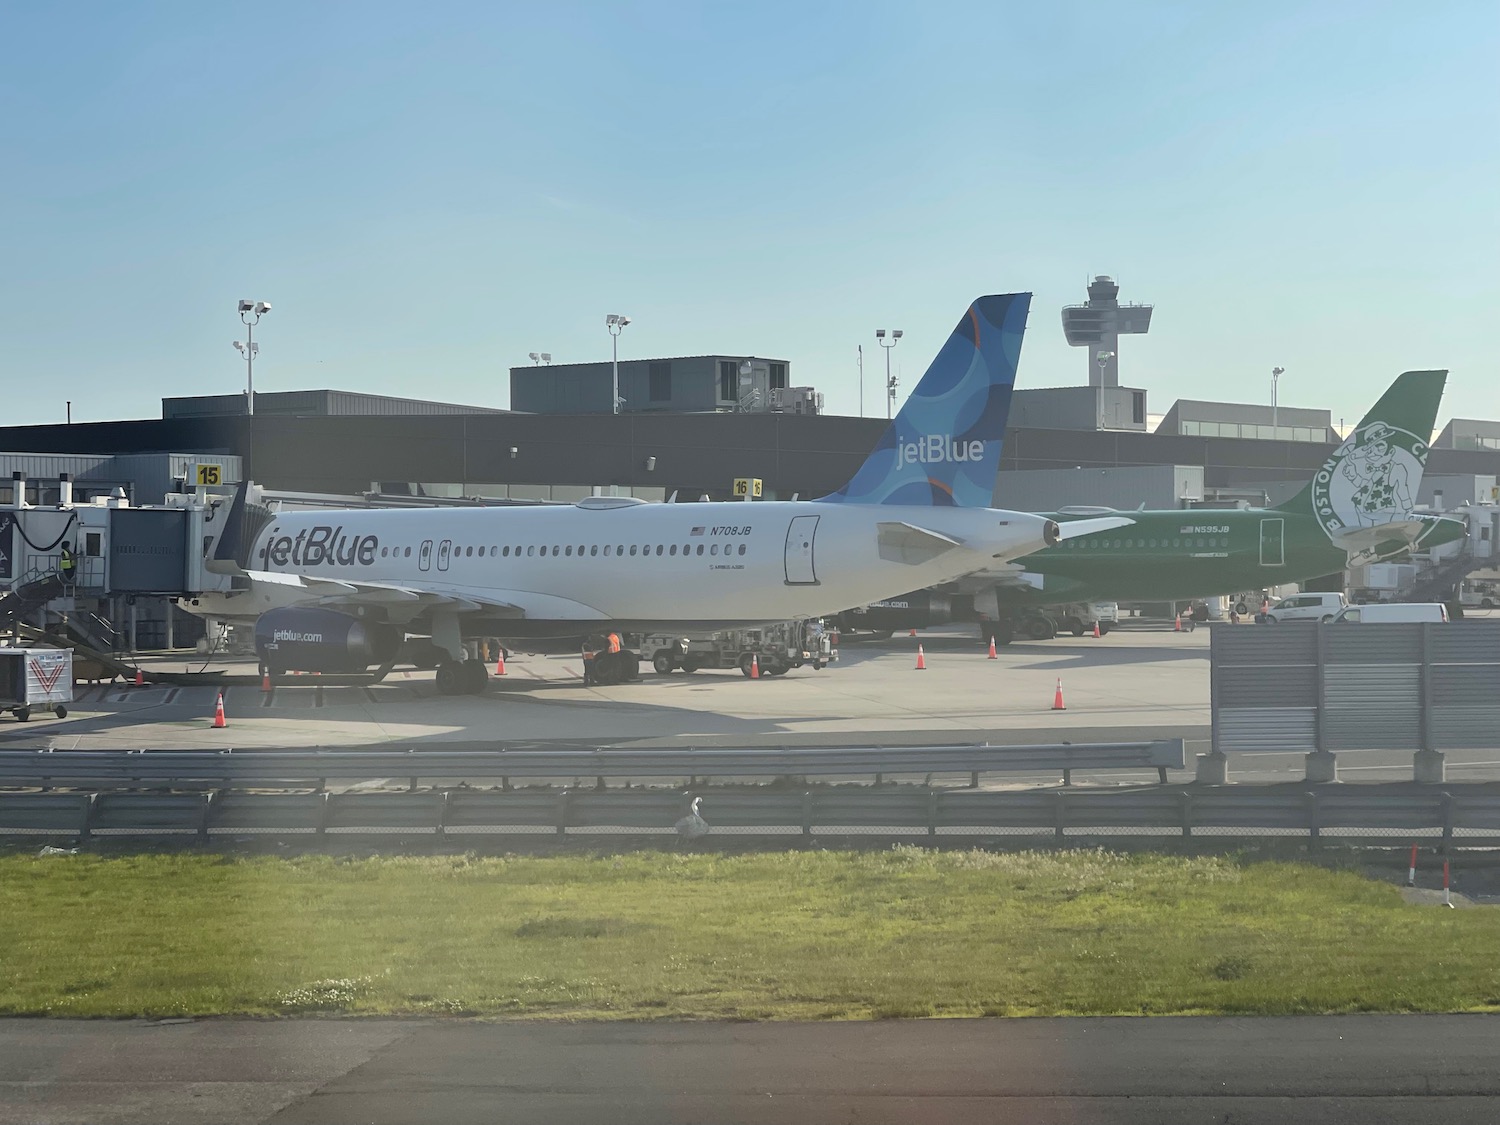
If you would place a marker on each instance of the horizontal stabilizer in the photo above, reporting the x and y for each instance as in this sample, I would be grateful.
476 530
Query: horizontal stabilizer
907 543
1072 529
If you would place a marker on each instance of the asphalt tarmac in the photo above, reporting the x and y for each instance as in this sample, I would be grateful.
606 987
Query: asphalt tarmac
1136 683
1291 1071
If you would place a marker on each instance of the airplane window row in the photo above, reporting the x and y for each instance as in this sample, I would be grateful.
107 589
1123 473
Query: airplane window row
569 551
1190 544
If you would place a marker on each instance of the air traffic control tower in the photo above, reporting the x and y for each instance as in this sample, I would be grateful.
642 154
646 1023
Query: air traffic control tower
1098 326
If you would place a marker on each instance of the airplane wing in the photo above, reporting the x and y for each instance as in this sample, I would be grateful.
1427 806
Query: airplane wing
405 601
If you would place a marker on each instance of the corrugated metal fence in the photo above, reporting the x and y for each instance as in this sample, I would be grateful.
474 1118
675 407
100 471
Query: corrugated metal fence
1305 687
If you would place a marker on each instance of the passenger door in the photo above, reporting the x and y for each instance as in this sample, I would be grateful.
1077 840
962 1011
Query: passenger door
445 549
800 569
424 555
1273 542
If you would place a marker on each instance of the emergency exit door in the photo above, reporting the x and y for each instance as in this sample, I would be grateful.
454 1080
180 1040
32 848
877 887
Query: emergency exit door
800 570
1273 542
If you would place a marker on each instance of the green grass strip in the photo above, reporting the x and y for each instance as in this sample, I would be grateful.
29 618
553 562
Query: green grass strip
799 935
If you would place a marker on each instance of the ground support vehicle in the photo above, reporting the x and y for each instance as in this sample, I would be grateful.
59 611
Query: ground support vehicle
1044 623
773 649
34 679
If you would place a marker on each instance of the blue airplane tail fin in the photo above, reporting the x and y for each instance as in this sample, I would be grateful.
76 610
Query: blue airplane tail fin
943 448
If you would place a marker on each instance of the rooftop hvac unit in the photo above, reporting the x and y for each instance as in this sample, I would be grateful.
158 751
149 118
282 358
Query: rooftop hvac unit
797 400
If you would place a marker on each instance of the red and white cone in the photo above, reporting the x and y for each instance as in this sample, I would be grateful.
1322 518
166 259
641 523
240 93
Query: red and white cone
921 660
993 654
1411 872
754 667
500 663
265 681
140 679
1057 699
1096 630
219 723
1177 625
913 633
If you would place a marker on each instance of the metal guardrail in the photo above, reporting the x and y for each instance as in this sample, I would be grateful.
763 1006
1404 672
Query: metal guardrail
299 768
1456 816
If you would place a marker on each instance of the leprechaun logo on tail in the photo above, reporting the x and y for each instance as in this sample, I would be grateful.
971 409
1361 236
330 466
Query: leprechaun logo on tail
1373 478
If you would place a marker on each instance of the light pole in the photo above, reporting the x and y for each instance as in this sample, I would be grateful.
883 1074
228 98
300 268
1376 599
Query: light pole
616 324
890 382
1276 373
250 314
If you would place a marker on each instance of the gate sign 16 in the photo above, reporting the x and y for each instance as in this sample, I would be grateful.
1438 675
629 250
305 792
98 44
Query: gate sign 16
747 486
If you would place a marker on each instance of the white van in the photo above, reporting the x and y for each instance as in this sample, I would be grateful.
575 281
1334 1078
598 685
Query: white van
1387 612
1306 607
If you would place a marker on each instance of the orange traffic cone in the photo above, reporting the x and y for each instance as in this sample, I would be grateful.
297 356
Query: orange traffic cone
219 722
1096 629
913 633
140 680
1177 626
1057 700
265 681
754 666
921 660
992 655
500 663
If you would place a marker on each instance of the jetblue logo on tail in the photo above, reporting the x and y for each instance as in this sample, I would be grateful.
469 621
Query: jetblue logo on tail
943 449
936 449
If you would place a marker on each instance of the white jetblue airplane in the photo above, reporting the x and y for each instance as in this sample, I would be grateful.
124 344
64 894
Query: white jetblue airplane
339 592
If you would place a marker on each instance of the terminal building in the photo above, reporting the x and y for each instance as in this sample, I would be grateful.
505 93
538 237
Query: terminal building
690 427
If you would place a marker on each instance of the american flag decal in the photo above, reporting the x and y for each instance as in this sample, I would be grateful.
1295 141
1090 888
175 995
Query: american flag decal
696 531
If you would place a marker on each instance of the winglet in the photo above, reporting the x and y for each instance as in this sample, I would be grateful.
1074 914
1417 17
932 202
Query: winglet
242 523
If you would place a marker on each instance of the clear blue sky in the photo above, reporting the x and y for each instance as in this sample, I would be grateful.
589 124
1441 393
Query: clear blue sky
428 192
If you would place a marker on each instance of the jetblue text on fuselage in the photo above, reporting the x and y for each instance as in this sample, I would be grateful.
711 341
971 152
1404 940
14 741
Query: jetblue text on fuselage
322 544
936 449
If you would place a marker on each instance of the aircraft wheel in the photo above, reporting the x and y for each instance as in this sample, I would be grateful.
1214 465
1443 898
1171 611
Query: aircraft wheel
1074 626
474 676
449 678
1040 629
60 711
689 664
663 662
22 714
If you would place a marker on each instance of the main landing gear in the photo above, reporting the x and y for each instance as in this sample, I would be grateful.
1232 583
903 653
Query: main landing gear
467 677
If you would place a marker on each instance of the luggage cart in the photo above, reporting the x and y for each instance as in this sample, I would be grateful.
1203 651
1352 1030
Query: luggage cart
33 679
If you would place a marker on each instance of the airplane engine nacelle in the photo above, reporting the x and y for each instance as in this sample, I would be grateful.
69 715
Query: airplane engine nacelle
305 639
910 611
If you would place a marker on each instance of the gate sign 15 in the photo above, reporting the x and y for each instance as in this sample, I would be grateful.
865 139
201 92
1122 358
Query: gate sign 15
747 486
210 474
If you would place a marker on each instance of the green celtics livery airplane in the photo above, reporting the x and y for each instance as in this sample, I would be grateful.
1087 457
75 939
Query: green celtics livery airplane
1357 509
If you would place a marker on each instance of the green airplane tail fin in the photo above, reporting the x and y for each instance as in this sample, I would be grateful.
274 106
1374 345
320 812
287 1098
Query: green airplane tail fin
1373 478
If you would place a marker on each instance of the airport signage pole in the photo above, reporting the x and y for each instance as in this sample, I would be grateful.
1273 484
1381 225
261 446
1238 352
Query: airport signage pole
615 323
1276 373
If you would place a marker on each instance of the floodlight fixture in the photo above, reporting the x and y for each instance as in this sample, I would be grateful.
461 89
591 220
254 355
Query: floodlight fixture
546 357
615 322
